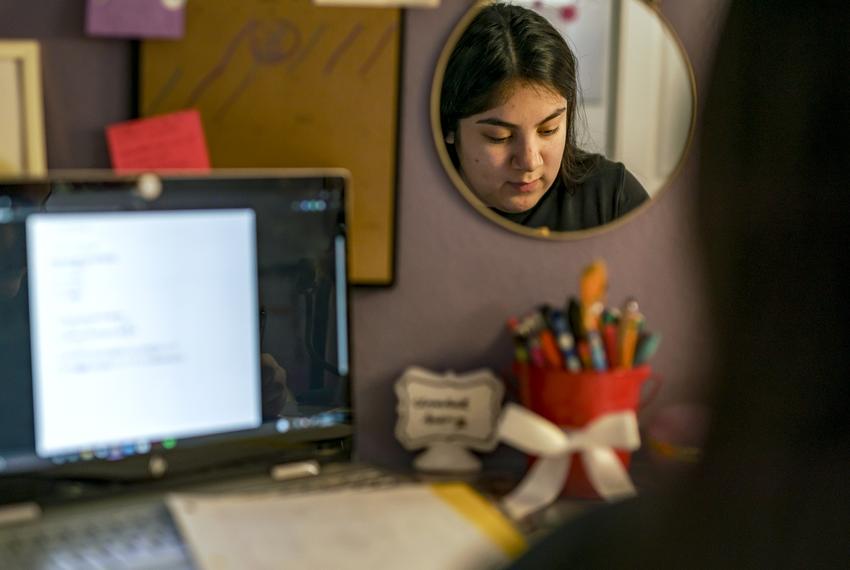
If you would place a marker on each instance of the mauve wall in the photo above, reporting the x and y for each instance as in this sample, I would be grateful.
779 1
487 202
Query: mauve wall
458 276
88 83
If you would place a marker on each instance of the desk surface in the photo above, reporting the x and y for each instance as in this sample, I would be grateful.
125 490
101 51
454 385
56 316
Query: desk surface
492 485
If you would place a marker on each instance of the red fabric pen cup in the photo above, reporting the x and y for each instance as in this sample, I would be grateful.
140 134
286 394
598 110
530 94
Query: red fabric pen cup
574 399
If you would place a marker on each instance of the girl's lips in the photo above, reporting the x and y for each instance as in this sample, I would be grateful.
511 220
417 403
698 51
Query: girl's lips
525 186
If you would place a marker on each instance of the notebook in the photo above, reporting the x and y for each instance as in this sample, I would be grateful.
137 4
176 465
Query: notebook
443 526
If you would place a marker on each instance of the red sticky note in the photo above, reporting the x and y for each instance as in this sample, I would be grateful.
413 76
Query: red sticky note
167 142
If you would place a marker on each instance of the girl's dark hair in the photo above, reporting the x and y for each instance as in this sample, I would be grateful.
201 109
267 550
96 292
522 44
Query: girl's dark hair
505 44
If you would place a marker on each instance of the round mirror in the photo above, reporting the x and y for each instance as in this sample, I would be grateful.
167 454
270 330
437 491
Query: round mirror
561 118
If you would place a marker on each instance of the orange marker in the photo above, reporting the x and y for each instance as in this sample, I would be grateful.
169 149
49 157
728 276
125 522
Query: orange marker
592 288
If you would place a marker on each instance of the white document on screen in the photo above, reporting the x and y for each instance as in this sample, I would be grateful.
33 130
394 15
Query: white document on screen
144 326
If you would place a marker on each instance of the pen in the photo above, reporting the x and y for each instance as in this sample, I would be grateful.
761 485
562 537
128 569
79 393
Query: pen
583 349
646 347
592 288
597 351
610 316
593 283
574 318
630 324
598 360
520 360
548 345
535 350
610 320
566 341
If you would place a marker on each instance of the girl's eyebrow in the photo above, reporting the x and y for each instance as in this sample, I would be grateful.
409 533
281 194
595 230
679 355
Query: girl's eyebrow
499 123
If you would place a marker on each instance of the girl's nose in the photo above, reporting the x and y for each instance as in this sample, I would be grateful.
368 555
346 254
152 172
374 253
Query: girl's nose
527 156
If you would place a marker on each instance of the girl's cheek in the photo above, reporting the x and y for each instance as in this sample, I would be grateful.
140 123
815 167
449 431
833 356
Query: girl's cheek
499 157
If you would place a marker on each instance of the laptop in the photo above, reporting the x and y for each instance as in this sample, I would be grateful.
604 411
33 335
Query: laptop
161 333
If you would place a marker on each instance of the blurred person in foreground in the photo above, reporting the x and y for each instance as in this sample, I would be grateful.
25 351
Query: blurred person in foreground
773 489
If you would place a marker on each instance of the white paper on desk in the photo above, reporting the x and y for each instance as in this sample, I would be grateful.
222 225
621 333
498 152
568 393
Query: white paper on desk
407 526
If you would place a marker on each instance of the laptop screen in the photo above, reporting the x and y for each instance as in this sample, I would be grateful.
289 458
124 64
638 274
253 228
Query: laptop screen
132 316
213 311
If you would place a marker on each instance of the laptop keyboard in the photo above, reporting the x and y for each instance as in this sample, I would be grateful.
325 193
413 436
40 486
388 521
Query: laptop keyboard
142 535
138 536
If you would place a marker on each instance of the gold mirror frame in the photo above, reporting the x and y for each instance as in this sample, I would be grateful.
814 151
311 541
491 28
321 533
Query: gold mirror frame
546 233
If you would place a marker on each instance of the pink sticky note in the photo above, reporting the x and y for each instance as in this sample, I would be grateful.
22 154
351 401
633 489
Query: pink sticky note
167 142
136 18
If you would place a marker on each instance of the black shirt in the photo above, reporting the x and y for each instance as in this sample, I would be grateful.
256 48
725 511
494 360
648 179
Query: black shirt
607 192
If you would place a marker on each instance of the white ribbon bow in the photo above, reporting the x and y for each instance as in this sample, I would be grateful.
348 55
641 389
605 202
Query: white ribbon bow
535 435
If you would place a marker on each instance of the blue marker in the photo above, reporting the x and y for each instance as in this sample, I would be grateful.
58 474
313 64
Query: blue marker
566 340
597 351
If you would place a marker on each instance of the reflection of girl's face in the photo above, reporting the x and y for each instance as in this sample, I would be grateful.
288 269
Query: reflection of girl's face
511 154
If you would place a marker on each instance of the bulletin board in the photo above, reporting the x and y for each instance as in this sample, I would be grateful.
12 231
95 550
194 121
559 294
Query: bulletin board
286 83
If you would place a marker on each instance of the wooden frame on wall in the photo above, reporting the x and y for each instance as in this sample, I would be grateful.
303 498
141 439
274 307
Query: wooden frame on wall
22 147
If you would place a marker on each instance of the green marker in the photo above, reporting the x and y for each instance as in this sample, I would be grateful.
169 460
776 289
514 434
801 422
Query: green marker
647 345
